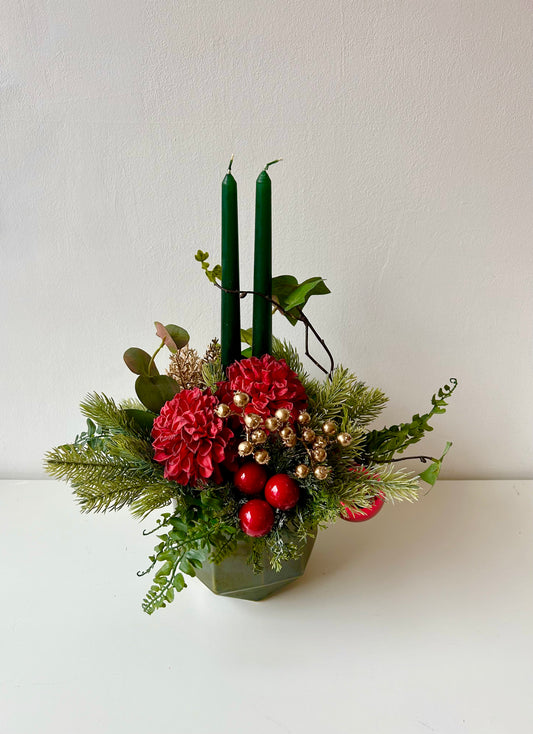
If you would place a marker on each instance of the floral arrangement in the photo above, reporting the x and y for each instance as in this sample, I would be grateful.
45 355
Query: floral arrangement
241 444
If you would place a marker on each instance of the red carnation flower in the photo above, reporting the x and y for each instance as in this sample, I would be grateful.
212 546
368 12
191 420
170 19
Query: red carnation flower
190 439
270 383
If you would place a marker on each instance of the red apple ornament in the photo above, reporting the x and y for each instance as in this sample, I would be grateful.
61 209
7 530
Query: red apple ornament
250 478
360 514
282 492
256 518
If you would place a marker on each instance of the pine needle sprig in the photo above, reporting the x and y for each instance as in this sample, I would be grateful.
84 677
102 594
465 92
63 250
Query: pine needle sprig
104 481
345 396
282 349
107 414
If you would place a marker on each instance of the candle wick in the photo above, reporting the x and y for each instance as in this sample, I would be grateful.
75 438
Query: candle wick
278 160
230 164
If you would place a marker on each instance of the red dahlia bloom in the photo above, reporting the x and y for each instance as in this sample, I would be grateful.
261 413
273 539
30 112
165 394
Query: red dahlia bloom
190 439
270 383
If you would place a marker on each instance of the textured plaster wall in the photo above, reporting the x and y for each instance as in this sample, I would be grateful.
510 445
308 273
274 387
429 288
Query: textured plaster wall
405 128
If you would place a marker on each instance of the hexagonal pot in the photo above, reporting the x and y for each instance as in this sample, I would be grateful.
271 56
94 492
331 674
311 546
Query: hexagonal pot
235 577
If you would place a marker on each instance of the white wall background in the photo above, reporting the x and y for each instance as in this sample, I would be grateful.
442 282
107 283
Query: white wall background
405 128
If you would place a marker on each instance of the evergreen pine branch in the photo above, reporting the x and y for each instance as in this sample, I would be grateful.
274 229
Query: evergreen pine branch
102 481
345 396
285 350
107 414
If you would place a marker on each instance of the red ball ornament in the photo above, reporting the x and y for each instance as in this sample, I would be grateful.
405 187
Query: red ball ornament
360 514
250 478
256 518
281 491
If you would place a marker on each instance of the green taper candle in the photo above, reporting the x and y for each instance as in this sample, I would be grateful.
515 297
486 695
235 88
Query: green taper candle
230 333
262 311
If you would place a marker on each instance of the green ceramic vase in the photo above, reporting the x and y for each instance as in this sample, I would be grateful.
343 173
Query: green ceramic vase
234 576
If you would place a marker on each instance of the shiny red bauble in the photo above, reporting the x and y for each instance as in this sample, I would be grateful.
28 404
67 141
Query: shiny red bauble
250 478
256 518
281 491
360 514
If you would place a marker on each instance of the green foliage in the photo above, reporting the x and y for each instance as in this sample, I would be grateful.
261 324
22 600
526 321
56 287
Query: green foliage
109 478
346 398
107 414
202 523
212 275
212 373
293 296
154 392
431 474
282 349
380 446
290 295
110 465
93 436
174 337
140 362
143 419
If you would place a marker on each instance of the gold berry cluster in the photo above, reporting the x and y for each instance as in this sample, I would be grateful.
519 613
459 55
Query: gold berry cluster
316 443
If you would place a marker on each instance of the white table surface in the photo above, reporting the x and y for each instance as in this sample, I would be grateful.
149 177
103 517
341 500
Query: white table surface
420 620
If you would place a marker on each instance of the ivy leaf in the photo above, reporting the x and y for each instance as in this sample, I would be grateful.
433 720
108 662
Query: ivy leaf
310 287
246 336
431 474
293 296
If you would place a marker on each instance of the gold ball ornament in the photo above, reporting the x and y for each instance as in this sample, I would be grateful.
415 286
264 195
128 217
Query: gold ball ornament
223 410
304 418
252 421
262 457
241 399
301 471
282 414
290 441
286 432
345 439
319 454
322 472
272 424
320 442
329 428
259 436
308 435
245 448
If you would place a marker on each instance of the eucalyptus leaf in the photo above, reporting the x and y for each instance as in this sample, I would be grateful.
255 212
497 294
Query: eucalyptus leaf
138 362
154 392
174 337
179 336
